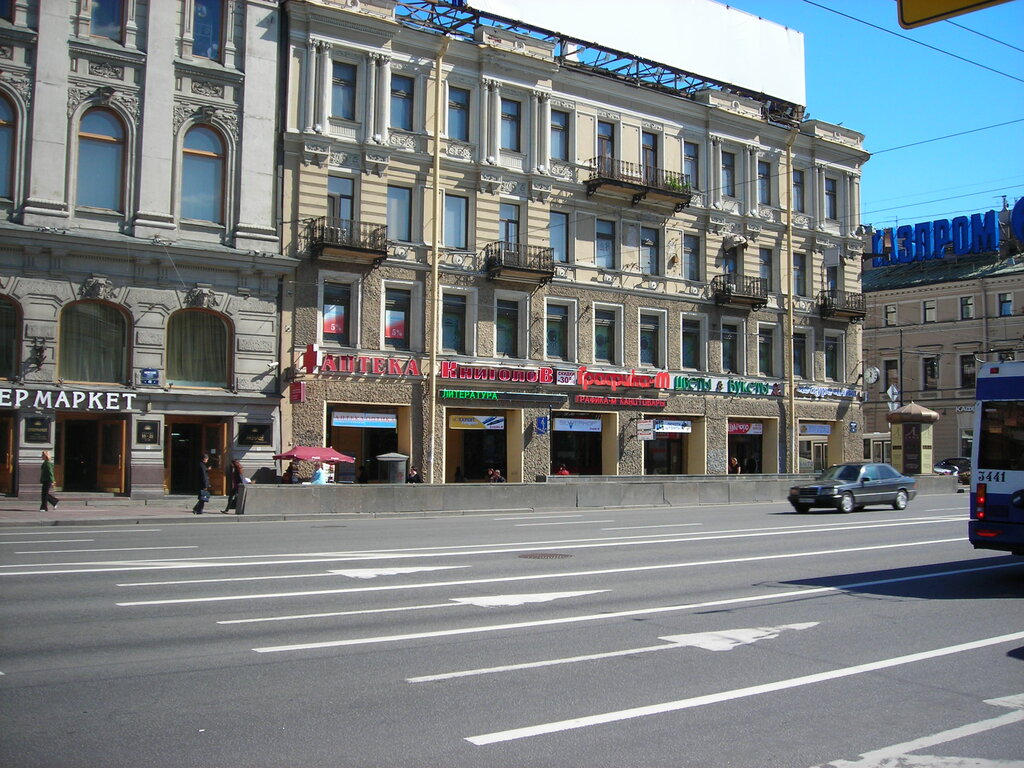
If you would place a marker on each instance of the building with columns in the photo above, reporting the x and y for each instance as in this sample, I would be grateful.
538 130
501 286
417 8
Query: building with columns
140 265
521 250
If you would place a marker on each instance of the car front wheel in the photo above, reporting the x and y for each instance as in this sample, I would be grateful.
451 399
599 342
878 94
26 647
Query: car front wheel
846 503
801 508
900 502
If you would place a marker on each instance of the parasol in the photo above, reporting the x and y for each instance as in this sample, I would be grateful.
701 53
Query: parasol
307 453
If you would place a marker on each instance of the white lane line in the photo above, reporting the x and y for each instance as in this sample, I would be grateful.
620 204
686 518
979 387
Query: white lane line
108 549
644 527
675 642
425 552
738 693
298 616
48 541
537 576
534 517
791 594
568 522
34 532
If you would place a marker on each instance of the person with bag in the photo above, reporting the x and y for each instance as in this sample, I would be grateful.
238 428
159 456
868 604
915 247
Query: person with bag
46 480
235 482
204 485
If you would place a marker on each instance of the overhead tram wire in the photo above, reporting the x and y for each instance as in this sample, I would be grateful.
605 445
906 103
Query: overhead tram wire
982 34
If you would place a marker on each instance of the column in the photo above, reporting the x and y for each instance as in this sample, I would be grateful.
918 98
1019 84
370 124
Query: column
323 118
494 120
715 173
309 100
370 129
383 96
750 183
544 130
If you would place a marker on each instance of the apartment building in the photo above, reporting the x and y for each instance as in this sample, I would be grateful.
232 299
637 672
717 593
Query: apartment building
140 263
520 250
941 304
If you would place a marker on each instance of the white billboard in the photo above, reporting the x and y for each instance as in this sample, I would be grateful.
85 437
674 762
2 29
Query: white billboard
703 37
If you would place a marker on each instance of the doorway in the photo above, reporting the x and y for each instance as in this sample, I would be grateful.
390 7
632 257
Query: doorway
186 442
6 454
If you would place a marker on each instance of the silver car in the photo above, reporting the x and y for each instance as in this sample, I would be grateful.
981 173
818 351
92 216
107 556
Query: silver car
847 487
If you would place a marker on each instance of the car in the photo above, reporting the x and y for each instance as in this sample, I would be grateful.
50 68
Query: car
953 466
847 487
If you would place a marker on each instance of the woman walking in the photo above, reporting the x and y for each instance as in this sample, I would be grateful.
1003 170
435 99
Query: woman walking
234 483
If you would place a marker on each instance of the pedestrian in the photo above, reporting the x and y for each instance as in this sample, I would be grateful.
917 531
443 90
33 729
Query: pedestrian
490 474
46 480
361 476
414 475
320 476
496 476
204 485
734 467
459 477
562 470
234 483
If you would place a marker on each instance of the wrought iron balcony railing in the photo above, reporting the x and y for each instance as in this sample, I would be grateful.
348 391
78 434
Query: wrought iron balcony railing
835 302
359 239
737 289
640 181
516 261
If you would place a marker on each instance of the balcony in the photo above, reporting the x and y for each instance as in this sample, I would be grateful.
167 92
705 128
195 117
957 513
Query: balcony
639 182
833 302
345 240
737 290
519 263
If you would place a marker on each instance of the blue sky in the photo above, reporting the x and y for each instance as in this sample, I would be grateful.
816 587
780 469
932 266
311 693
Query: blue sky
898 92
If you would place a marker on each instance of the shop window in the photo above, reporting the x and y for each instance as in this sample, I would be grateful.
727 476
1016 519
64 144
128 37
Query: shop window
730 348
456 221
397 304
9 338
556 331
558 236
453 324
8 141
651 339
799 196
800 355
337 314
650 251
605 244
691 163
400 214
100 160
107 20
691 258
559 135
93 343
402 102
202 175
340 198
207 28
691 344
968 371
197 349
343 90
606 336
458 113
506 324
511 127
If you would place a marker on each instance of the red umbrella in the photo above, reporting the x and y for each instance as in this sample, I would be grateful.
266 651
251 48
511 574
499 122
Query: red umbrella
306 453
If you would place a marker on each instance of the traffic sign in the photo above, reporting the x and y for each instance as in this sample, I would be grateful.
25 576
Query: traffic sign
892 392
893 406
917 13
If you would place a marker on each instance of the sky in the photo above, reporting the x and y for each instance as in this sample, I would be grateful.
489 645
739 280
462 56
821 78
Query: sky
903 89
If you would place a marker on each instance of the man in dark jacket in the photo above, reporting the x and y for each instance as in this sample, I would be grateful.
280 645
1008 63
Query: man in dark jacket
46 480
204 485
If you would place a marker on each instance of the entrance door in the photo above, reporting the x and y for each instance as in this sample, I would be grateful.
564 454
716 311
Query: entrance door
81 452
184 447
482 449
6 454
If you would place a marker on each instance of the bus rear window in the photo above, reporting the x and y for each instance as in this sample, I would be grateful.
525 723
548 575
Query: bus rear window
1001 442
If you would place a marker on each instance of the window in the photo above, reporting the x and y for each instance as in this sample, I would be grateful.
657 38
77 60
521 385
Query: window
556 329
506 343
968 371
458 113
730 348
1005 301
7 141
453 323
605 336
764 182
928 311
650 251
891 373
559 135
558 236
508 223
400 214
107 20
343 91
101 160
207 28
832 353
691 160
764 267
397 303
337 314
691 346
966 307
929 373
5 9
649 157
766 351
730 261
9 339
510 125
605 244
800 355
831 200
691 257
798 191
890 314
605 148
650 339
202 175
340 198
729 174
456 221
197 349
800 274
832 279
402 102
93 343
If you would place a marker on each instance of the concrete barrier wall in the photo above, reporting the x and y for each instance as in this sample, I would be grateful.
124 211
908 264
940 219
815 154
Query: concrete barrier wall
565 493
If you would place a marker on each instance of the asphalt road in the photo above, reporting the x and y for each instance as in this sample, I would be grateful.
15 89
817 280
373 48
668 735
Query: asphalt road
741 636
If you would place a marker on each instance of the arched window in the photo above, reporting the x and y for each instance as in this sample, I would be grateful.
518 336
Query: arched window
93 343
101 160
197 349
202 175
7 142
8 339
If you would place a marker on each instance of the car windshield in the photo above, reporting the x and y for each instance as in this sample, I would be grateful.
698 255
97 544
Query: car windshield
847 473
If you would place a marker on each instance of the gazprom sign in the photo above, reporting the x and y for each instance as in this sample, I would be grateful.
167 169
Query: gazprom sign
929 239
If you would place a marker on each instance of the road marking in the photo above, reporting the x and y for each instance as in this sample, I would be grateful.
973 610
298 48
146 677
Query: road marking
568 522
535 517
739 693
108 549
48 541
496 601
883 757
645 527
373 573
727 639
536 576
791 594
35 532
672 643
298 616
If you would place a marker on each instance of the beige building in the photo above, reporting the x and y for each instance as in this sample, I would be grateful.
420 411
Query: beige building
932 323
509 259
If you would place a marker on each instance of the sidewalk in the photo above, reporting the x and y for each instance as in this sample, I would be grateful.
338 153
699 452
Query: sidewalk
79 509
